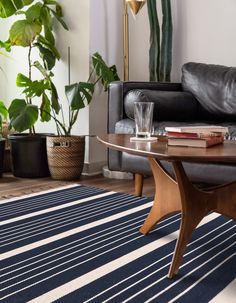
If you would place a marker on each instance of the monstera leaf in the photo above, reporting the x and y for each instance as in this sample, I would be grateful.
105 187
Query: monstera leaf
105 73
79 94
10 7
23 32
22 115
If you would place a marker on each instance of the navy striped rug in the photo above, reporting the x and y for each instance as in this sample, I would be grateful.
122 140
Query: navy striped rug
80 244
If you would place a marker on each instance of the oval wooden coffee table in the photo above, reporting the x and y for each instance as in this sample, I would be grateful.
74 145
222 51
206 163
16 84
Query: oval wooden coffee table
180 195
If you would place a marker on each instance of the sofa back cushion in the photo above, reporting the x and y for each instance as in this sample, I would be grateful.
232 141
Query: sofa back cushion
214 86
168 105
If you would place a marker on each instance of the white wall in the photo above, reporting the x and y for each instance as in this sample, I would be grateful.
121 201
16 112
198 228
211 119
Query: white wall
203 31
105 38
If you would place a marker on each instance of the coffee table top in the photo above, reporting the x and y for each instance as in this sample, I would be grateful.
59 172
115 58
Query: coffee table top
225 152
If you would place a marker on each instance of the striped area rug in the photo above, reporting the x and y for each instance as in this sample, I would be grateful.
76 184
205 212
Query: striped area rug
80 244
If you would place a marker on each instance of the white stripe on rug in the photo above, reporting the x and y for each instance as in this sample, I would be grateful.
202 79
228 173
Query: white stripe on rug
73 231
38 193
204 276
227 295
48 210
147 276
109 267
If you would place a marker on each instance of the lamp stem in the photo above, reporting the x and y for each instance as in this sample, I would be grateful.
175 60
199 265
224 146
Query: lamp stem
126 41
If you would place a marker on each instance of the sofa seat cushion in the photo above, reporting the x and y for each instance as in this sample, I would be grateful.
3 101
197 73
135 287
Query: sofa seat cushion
168 105
210 173
127 126
214 86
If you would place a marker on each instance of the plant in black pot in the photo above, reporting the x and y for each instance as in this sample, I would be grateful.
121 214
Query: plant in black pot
3 116
33 31
66 152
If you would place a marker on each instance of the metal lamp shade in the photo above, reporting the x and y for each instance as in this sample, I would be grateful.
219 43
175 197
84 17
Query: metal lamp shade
135 5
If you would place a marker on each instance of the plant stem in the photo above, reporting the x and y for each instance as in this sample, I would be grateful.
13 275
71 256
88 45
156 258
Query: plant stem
30 67
29 100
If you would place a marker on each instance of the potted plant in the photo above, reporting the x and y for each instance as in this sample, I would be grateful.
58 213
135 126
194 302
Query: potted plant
66 152
34 31
3 116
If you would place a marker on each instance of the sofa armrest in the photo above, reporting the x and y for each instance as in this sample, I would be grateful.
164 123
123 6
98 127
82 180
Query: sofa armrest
117 91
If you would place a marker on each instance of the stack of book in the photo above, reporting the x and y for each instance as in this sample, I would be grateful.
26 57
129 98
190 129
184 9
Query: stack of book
196 136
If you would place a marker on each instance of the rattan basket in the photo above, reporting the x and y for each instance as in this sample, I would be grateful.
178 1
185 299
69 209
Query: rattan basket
65 157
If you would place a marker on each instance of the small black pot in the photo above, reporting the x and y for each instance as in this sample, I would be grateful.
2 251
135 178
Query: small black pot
2 149
29 155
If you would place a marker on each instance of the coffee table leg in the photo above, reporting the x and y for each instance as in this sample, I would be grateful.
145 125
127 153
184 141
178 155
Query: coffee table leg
181 195
194 208
167 197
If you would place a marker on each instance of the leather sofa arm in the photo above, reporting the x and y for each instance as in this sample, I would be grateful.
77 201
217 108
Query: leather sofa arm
117 91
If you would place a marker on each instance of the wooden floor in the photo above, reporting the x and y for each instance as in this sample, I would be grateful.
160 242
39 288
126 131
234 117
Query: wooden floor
12 187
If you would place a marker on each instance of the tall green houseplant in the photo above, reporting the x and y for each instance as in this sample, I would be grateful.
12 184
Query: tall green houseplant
160 53
33 30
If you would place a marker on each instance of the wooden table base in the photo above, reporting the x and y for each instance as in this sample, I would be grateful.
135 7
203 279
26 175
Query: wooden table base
181 195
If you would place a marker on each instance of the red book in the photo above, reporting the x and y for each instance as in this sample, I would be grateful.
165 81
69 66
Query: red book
193 135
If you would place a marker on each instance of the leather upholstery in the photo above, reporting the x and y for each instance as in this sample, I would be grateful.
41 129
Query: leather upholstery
214 86
177 107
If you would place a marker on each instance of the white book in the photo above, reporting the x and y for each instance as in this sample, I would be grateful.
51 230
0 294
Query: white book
198 129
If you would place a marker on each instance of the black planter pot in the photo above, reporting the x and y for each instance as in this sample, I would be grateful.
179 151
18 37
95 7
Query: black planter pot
29 155
2 149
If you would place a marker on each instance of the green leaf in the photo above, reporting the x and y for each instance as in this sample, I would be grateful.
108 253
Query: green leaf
23 32
79 94
59 10
105 73
42 41
59 19
45 109
33 13
46 17
50 2
22 80
22 115
10 7
54 98
6 45
47 56
154 50
32 88
166 43
42 70
3 113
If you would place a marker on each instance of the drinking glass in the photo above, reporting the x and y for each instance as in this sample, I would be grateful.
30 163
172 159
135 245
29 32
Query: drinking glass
143 115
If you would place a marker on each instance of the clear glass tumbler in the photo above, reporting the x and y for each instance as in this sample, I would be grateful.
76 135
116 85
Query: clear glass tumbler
143 115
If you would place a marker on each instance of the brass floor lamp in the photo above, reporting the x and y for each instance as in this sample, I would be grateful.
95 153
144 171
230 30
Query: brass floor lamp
135 6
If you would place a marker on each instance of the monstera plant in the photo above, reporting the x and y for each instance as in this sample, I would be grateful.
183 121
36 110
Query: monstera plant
66 152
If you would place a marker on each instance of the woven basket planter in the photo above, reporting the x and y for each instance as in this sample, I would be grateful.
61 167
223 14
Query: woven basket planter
65 157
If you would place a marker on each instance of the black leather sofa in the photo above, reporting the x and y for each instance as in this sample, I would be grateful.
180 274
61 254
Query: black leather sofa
206 95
